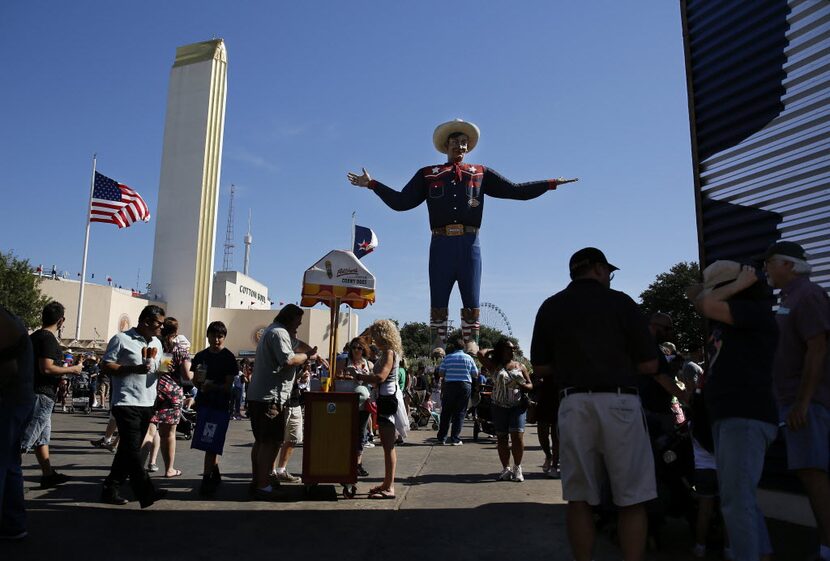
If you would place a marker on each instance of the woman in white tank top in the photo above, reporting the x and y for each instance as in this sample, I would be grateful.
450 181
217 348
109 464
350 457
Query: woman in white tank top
385 335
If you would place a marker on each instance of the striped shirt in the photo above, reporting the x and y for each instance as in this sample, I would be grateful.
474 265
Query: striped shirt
458 367
506 392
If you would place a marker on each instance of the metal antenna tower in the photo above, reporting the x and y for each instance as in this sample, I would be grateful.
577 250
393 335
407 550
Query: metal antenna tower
248 241
227 262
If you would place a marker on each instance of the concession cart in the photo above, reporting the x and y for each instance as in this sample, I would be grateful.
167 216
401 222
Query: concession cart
331 418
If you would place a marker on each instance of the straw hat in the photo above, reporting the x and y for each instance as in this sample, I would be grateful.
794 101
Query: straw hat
716 274
444 130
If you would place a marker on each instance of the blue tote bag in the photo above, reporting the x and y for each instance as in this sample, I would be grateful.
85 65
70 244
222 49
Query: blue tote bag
211 428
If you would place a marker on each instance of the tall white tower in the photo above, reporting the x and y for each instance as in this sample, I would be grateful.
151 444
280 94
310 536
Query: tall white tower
189 185
249 239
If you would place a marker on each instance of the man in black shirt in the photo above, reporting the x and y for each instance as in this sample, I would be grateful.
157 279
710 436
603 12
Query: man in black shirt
594 342
738 394
48 371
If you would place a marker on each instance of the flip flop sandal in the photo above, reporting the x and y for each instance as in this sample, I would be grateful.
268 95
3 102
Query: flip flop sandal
177 473
382 494
376 490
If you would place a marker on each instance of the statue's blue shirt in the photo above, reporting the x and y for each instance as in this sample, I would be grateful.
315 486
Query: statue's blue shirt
455 192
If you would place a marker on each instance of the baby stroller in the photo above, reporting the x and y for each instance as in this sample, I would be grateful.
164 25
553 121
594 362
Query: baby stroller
674 473
78 393
187 423
483 413
420 414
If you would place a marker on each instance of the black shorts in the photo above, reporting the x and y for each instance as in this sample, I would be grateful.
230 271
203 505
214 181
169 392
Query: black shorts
547 407
265 429
706 483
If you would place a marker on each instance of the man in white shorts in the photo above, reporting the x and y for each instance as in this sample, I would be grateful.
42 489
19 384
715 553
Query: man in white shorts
293 436
593 342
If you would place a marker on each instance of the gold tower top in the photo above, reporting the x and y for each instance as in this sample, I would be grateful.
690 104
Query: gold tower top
200 52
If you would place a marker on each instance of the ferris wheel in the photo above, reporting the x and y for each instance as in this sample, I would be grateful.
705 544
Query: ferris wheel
492 316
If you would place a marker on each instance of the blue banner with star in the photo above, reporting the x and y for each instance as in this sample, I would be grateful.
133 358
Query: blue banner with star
365 241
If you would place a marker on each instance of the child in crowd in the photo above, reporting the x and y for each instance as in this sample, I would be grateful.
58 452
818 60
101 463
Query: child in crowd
215 369
706 491
238 393
706 472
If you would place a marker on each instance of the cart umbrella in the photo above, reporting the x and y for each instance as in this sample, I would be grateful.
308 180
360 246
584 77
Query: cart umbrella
338 278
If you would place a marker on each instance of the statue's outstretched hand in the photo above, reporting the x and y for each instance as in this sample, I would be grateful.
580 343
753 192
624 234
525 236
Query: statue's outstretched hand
562 180
359 180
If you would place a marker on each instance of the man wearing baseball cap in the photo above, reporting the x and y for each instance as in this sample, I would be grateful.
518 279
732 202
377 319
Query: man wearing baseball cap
454 192
594 342
801 374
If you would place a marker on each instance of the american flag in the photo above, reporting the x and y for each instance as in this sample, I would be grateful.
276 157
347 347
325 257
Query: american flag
115 203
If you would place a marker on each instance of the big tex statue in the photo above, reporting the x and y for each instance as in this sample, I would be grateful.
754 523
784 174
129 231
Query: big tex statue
454 192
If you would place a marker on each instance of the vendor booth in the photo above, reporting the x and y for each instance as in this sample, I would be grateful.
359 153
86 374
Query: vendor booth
331 418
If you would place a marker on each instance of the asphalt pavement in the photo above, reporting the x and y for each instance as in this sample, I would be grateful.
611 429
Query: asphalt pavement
448 505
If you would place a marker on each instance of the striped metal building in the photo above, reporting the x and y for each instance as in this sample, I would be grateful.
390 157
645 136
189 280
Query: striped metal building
758 78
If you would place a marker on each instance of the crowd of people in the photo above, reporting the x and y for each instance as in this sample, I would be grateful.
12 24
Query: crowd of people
767 367
603 383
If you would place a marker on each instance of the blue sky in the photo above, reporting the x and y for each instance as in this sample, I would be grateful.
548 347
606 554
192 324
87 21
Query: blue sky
316 89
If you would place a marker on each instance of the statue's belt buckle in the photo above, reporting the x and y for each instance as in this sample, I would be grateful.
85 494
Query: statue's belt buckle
454 229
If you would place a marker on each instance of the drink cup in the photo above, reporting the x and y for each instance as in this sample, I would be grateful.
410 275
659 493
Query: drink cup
166 362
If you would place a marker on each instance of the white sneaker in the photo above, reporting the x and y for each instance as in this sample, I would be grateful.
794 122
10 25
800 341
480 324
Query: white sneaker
505 475
517 474
286 477
369 445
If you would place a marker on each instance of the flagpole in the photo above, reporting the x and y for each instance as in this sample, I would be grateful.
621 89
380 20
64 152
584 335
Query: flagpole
86 247
351 247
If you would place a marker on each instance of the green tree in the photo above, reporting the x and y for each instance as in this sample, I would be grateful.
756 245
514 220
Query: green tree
488 337
416 340
668 294
19 289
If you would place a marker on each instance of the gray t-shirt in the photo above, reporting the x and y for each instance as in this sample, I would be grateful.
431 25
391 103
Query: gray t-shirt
132 389
272 378
804 313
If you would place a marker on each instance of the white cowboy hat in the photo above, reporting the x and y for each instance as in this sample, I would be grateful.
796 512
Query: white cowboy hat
444 130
